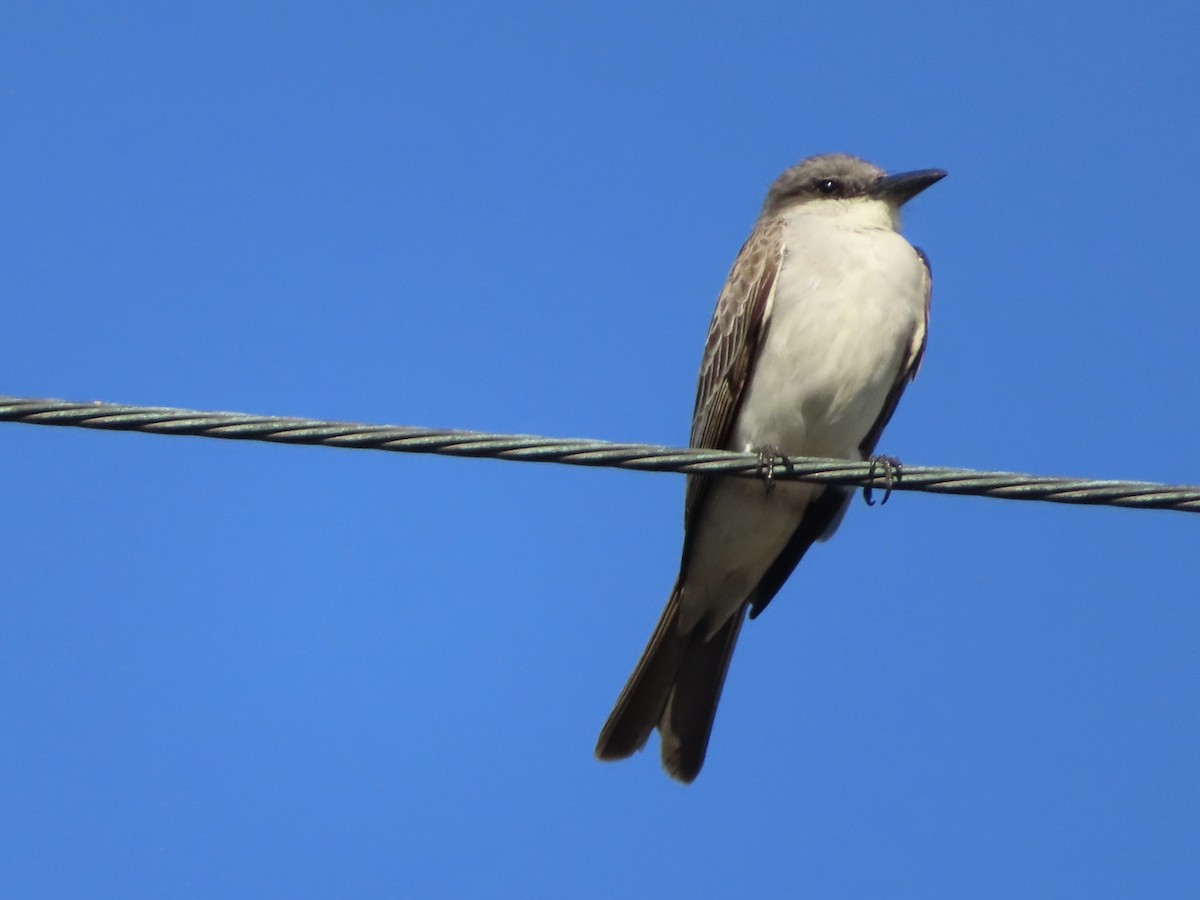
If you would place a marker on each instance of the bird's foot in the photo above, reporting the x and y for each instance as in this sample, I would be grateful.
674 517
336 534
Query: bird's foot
768 458
892 470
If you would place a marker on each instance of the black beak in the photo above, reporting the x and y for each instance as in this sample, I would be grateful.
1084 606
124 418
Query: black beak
903 186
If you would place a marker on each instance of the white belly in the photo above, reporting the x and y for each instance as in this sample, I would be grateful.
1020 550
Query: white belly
848 304
848 309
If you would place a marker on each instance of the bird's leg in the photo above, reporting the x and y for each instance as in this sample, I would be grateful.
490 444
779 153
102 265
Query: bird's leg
768 457
892 470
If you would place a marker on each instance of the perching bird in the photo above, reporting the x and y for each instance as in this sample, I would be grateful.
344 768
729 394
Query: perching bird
819 328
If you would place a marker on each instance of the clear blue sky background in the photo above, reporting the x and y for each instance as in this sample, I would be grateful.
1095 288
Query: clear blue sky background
236 670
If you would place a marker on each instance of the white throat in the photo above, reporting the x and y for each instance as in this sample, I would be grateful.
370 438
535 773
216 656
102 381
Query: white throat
856 212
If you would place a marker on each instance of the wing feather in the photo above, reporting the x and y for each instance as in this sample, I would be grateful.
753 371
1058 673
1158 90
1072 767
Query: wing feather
734 336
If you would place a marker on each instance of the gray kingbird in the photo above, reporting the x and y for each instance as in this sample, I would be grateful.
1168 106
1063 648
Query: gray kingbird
819 328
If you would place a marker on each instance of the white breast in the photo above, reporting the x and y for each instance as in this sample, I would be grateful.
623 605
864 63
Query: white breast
848 305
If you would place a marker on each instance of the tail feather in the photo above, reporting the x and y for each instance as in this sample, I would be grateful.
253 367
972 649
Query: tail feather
641 703
687 720
675 687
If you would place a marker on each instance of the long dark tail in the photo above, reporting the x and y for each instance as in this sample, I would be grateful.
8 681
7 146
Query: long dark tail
675 687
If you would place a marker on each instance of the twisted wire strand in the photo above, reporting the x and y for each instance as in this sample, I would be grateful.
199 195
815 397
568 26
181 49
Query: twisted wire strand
580 452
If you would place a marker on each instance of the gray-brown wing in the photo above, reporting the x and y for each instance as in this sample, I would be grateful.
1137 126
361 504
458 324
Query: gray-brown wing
731 348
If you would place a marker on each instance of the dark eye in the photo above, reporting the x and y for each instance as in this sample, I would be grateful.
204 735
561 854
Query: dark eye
829 186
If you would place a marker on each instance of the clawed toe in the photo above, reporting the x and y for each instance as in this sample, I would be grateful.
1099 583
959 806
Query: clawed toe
768 458
892 470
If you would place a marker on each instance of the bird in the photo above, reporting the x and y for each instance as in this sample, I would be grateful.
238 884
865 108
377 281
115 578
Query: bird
819 328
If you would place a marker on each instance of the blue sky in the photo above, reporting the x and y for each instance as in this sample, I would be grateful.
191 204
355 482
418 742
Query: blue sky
250 670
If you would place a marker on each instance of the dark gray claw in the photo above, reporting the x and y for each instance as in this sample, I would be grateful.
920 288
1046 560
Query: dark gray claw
767 458
892 470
